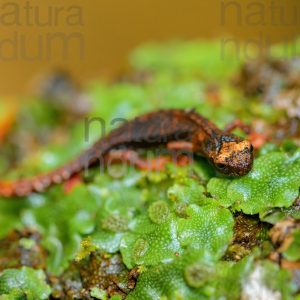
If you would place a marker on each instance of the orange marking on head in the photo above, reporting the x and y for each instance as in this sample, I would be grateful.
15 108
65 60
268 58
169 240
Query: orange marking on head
230 148
234 158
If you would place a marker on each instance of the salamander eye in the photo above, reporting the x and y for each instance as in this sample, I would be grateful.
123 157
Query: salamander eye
221 166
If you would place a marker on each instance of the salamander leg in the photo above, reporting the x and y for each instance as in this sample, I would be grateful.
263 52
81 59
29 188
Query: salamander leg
132 158
182 152
180 146
256 139
150 164
238 124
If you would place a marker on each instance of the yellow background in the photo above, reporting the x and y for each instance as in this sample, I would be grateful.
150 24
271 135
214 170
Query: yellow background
111 28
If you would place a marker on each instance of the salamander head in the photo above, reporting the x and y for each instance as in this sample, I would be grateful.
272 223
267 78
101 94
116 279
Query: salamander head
234 158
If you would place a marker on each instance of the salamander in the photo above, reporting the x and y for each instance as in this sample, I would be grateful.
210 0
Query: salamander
228 153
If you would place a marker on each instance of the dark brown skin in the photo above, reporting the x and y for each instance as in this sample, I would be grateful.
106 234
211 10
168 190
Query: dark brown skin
229 154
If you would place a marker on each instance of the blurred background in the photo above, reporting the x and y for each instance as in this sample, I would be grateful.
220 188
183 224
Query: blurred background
92 39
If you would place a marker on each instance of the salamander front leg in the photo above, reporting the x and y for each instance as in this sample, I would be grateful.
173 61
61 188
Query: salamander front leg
256 139
132 157
238 124
182 152
180 146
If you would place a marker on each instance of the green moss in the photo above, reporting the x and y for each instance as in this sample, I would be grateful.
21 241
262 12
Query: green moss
140 248
209 227
197 275
159 244
217 187
158 212
292 252
275 215
187 190
24 282
98 293
87 247
115 223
